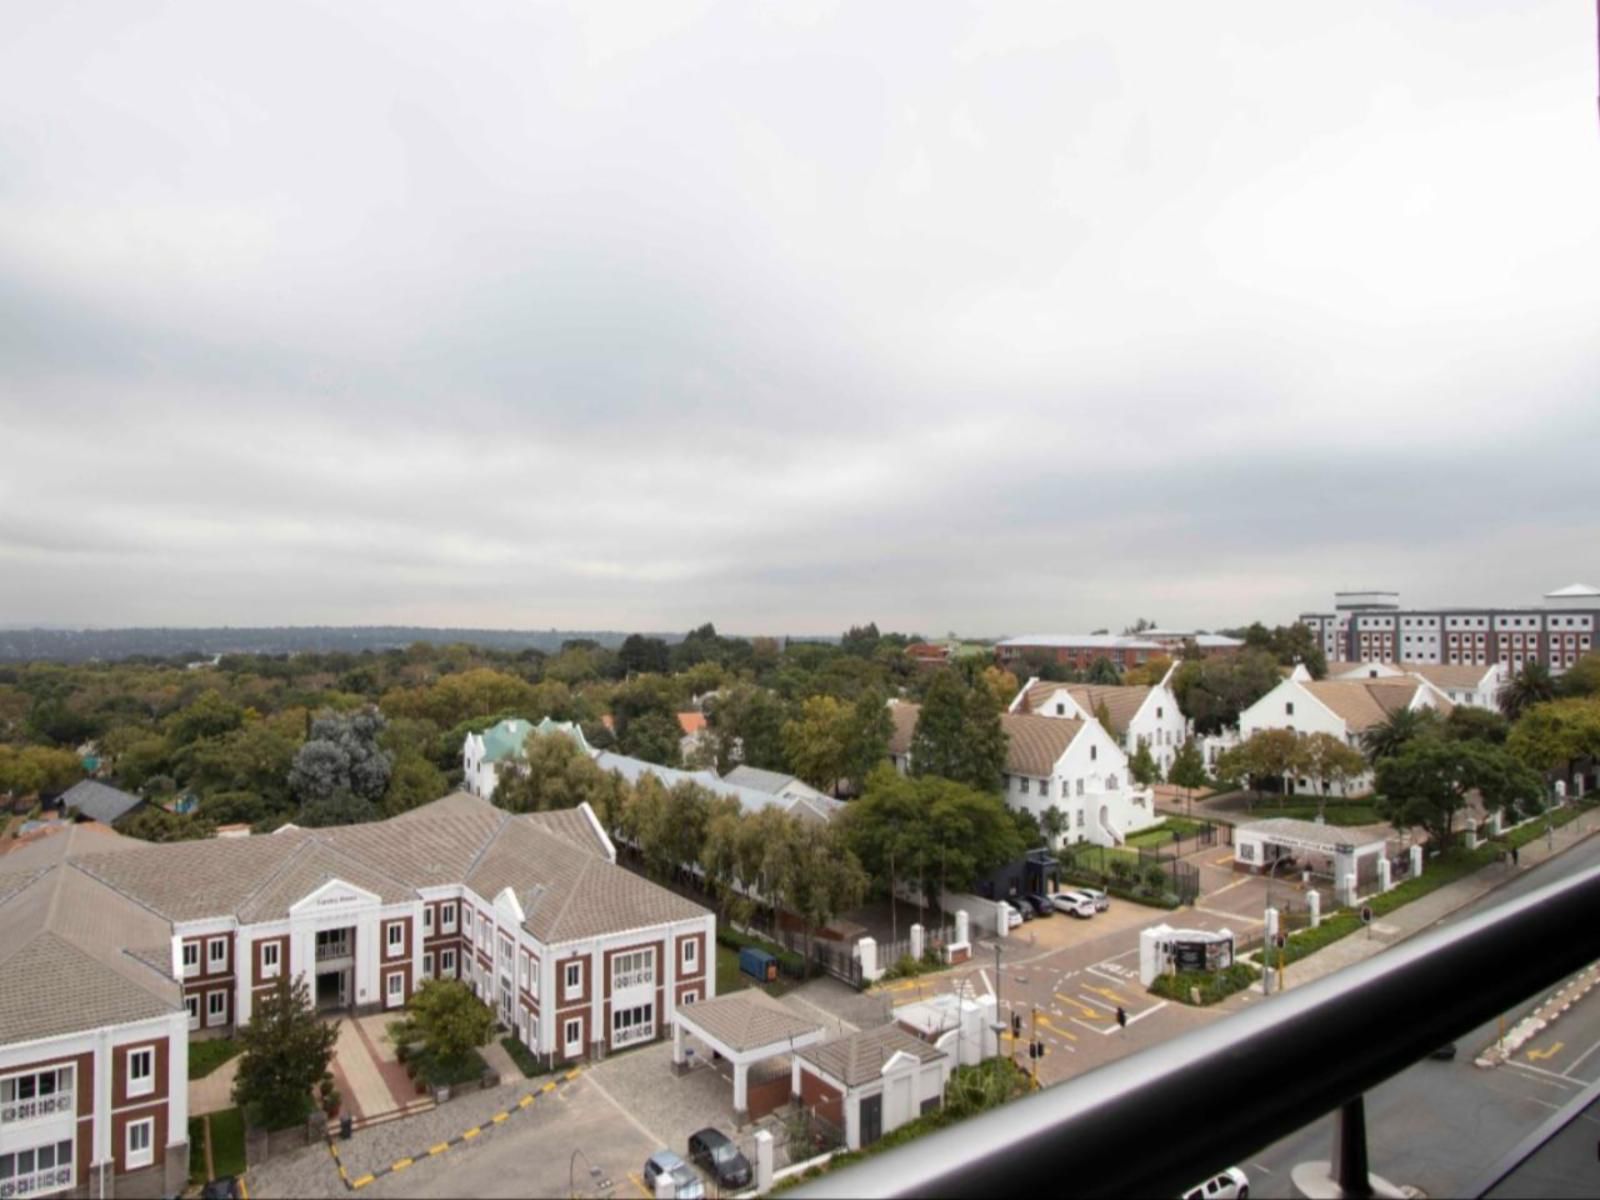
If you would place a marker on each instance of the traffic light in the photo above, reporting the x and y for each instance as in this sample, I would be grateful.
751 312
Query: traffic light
1122 1016
1016 1025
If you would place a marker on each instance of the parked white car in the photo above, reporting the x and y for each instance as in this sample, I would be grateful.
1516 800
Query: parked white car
1073 903
1101 900
1232 1184
1013 917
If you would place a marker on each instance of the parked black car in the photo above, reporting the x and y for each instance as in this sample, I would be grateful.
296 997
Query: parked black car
1041 904
712 1151
223 1187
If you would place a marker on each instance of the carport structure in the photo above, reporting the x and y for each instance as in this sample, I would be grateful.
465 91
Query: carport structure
744 1028
1325 850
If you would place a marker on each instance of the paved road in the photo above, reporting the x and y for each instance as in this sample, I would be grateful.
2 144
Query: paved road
1439 1126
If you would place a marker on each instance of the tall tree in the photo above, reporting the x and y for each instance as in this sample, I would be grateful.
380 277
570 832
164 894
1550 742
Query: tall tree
1188 770
1142 766
819 742
884 828
1054 824
1557 736
1328 763
959 734
871 727
342 754
1390 736
287 1048
1529 686
1426 784
1103 670
639 654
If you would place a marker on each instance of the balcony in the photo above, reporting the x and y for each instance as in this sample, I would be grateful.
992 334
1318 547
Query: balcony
1157 1122
37 1183
331 949
14 1112
623 980
632 1035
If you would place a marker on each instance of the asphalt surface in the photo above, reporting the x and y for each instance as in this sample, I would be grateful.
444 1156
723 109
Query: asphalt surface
1439 1126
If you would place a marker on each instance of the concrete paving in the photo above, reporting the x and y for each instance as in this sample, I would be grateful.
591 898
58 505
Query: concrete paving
215 1092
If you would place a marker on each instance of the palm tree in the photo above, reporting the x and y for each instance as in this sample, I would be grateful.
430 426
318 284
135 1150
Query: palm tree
1054 823
1388 738
1529 686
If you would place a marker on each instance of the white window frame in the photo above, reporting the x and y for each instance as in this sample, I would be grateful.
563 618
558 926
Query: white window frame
191 1002
427 964
271 959
141 1083
213 959
143 1157
41 1180
689 998
221 1018
62 1097
394 989
427 919
394 939
633 968
569 987
572 1046
447 918
689 955
447 964
191 969
633 1025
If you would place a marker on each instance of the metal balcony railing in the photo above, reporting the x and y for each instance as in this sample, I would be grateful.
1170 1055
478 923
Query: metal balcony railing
1157 1122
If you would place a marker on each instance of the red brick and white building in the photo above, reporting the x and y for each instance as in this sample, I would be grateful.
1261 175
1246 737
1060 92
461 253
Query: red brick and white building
142 946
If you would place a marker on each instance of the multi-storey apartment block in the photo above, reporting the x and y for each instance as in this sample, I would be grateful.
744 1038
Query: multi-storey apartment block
1372 627
114 952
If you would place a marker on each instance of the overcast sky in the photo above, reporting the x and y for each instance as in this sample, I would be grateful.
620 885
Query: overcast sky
989 317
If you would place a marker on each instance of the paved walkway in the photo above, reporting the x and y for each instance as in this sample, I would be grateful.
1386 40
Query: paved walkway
1421 914
215 1092
366 1092
500 1062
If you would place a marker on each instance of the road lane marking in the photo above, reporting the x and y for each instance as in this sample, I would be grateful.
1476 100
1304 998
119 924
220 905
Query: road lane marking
1553 1076
1080 1006
987 986
1575 1063
1541 1055
634 1179
1114 996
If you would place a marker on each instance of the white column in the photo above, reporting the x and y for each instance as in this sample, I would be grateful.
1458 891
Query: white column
1384 883
1272 923
962 927
1416 861
1314 903
763 1161
916 941
1348 882
867 954
741 1089
677 1044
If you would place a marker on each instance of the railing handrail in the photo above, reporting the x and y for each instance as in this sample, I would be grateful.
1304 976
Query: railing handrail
1160 1121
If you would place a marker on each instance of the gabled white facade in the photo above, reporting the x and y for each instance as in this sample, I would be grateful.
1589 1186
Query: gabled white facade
1091 786
1159 722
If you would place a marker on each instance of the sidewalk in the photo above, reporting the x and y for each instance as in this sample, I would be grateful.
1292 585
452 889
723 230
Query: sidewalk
1422 914
215 1092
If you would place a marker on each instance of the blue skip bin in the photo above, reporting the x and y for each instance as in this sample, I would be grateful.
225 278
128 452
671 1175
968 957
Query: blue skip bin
758 964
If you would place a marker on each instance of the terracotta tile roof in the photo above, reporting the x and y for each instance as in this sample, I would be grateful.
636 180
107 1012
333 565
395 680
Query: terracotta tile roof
1035 744
1363 703
1449 675
691 722
904 717
860 1058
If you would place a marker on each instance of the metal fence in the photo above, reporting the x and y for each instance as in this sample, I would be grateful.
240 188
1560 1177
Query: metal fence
1144 873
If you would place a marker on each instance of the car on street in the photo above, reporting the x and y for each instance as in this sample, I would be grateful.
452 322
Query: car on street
686 1183
1232 1184
1445 1053
223 1187
1041 904
1074 903
715 1153
1101 900
1013 914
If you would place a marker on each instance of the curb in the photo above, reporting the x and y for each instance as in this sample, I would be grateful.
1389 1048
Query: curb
401 1164
1553 1008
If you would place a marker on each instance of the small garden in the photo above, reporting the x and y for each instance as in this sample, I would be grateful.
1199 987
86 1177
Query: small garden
909 968
206 1056
1170 830
438 1039
1124 876
527 1061
227 1145
283 1064
791 965
1205 987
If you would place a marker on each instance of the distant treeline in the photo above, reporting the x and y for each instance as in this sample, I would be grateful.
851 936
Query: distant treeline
89 645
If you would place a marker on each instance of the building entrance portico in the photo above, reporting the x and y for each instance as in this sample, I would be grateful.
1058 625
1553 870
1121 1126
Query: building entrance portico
336 960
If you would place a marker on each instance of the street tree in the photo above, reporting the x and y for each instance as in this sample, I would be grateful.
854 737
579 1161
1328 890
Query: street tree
286 1050
1529 686
959 735
1391 736
1329 764
1188 770
449 1022
1554 737
1142 766
1427 783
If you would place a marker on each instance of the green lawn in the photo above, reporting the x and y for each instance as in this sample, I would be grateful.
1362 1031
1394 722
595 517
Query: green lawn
206 1056
227 1141
729 977
1342 813
197 1150
1162 834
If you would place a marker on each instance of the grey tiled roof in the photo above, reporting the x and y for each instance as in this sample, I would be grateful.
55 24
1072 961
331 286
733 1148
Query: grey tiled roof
747 1020
99 801
860 1057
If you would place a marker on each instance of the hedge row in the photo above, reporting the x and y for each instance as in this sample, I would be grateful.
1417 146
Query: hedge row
527 1061
1212 985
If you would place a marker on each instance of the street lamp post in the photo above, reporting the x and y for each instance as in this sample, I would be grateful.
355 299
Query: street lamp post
1266 948
596 1175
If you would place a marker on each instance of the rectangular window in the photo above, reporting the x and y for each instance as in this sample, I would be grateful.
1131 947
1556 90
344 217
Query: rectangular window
572 1038
36 1171
633 969
141 1143
217 1008
689 998
1080 818
192 1003
217 954
269 960
691 955
483 931
632 1025
1080 787
191 958
37 1094
447 963
1094 753
427 964
447 918
1024 786
573 981
141 1072
427 919
1288 708
524 969
396 935
394 986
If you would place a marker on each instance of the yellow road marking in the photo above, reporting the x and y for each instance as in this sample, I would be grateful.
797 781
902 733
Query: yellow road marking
1536 1055
1226 858
244 1192
525 1101
472 1133
362 1182
1056 1029
402 1164
499 1117
439 1149
1108 993
549 1087
1093 1014
572 1074
638 1183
